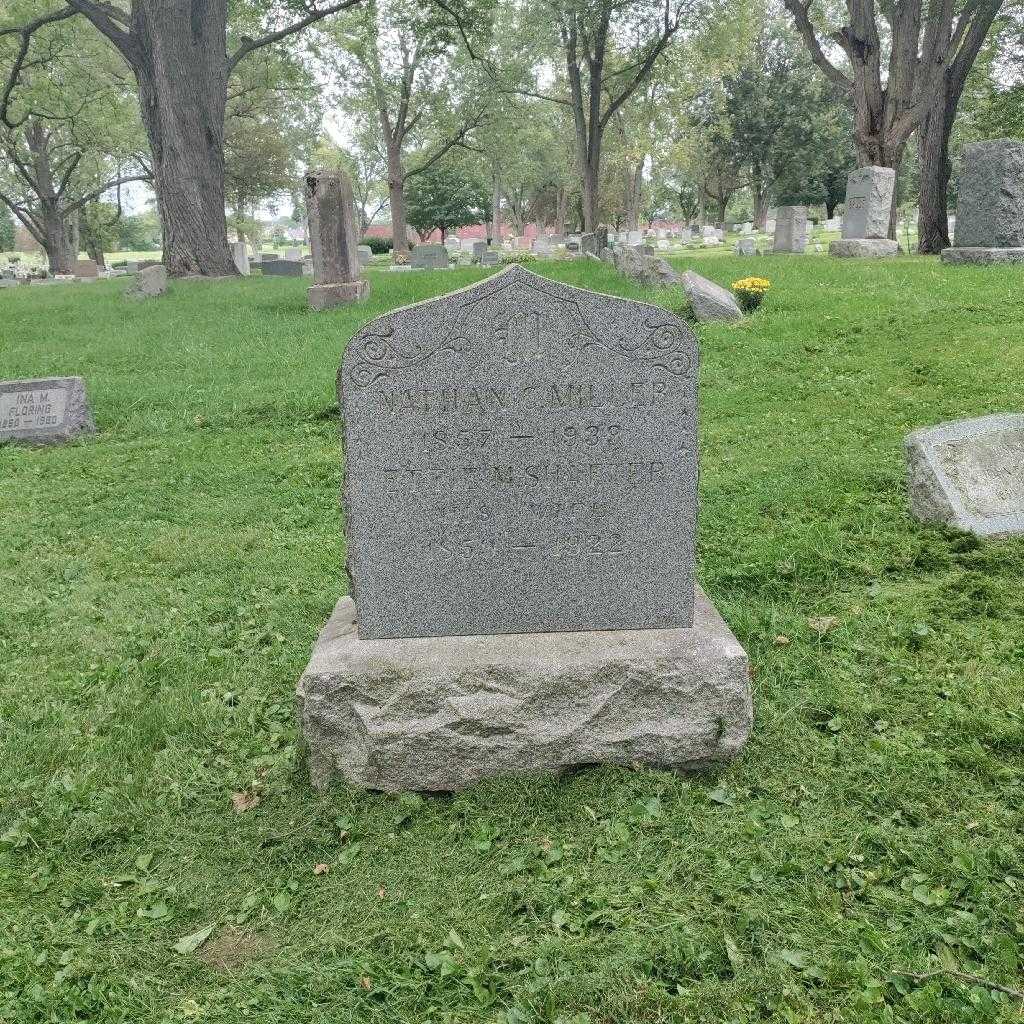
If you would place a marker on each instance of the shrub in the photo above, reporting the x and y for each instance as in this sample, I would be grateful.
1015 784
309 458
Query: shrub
750 292
378 246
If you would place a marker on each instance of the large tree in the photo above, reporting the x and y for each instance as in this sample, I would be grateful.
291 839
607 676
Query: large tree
68 133
608 50
897 58
401 69
447 195
179 53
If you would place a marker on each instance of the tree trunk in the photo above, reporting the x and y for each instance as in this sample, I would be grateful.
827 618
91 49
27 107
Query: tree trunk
634 192
561 208
723 202
181 68
57 241
760 194
396 190
591 192
495 232
936 168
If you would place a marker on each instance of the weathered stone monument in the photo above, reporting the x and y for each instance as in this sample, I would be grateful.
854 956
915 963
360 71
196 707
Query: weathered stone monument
86 269
746 247
429 257
240 255
989 226
333 240
969 474
520 490
790 229
149 283
364 254
50 410
866 216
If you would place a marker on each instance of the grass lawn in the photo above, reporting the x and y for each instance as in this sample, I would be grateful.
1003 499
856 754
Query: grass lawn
164 583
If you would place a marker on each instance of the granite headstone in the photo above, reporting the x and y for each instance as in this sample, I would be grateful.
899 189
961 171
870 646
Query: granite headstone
520 432
520 490
790 229
333 241
989 226
50 410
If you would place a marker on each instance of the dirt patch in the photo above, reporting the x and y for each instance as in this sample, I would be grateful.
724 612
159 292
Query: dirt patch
233 948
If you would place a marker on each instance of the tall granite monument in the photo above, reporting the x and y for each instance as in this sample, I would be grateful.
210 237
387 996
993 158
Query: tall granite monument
520 493
790 229
990 207
333 241
866 218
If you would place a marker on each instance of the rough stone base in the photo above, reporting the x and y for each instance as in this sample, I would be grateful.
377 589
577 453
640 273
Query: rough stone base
443 713
858 247
326 296
980 255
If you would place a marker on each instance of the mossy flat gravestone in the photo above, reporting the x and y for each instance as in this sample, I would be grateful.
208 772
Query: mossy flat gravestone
969 474
521 495
45 411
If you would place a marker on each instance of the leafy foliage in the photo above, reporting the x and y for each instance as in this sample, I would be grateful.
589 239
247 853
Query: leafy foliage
445 196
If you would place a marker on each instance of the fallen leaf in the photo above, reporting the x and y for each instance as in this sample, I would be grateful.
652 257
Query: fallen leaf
365 983
781 640
381 894
190 943
823 624
244 801
321 869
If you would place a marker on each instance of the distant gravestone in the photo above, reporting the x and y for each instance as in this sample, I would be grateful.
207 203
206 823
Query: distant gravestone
790 229
282 268
51 410
86 269
478 248
490 259
869 193
240 255
365 254
969 474
746 247
989 226
333 241
589 243
149 283
520 492
542 246
293 254
429 257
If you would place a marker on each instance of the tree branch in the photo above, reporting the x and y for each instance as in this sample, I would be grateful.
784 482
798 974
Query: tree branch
801 17
973 979
110 22
249 45
97 192
14 72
